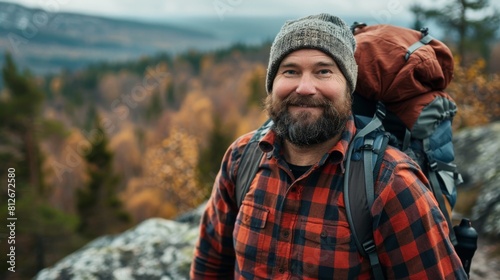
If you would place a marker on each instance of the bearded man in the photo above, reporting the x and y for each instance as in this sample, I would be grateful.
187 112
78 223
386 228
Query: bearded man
292 222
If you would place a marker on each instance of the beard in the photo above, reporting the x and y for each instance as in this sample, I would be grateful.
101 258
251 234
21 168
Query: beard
302 130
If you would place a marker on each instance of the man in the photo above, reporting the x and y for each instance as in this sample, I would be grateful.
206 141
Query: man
292 222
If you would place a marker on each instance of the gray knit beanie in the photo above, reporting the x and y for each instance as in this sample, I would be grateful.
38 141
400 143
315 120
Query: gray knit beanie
323 32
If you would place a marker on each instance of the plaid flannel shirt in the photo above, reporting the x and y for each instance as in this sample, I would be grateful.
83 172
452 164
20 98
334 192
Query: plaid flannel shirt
296 228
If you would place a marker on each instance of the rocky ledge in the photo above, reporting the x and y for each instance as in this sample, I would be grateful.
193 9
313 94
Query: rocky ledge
155 249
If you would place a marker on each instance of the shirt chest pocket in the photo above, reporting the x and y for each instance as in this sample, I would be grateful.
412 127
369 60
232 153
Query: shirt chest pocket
250 233
253 217
327 235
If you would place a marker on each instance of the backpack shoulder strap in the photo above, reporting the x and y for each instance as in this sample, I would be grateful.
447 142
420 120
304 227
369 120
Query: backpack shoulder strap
434 167
249 163
363 163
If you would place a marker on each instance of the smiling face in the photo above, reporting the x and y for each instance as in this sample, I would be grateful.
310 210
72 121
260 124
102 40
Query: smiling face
310 101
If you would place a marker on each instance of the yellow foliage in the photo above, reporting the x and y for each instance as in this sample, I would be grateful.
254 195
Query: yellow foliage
64 170
251 121
207 63
173 169
114 86
476 95
195 116
56 84
127 156
168 185
143 201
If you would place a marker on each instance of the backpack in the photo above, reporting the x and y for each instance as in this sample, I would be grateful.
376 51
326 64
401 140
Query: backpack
399 101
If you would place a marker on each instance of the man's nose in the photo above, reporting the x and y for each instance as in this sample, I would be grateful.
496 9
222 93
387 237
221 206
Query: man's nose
306 85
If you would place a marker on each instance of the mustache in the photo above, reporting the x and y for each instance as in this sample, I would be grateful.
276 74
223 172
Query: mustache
300 100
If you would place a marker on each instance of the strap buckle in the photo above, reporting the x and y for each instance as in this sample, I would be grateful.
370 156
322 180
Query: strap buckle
369 246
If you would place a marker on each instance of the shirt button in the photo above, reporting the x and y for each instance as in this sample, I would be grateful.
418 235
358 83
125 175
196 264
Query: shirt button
281 270
286 233
323 234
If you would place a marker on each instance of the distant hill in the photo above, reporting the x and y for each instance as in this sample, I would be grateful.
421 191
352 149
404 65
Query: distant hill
47 42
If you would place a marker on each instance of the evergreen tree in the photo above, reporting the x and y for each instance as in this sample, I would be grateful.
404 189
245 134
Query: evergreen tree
98 206
40 227
155 106
210 157
257 89
170 96
19 113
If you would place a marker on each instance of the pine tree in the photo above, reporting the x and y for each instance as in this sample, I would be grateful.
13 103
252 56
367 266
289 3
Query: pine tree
210 157
257 88
19 112
98 206
40 226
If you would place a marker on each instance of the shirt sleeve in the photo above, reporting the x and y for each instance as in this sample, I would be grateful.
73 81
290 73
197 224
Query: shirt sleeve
411 232
214 256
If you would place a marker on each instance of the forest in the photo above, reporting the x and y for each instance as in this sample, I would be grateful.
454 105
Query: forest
98 150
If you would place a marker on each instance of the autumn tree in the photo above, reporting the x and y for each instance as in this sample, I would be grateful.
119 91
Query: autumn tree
171 167
476 95
98 206
473 34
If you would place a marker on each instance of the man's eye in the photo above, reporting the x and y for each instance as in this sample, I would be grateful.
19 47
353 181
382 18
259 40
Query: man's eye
289 72
325 71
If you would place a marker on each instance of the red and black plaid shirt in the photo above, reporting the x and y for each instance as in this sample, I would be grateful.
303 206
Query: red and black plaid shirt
296 228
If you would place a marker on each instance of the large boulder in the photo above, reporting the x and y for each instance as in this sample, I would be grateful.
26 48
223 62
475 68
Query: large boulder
155 249
477 156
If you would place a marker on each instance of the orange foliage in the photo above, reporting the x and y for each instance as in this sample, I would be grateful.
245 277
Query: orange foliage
64 170
476 94
157 157
127 156
168 185
194 117
143 201
112 86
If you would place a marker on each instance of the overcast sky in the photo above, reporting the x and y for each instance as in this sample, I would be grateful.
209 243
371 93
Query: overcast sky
380 11
154 10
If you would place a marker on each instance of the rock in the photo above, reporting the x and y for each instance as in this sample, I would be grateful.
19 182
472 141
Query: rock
155 249
476 152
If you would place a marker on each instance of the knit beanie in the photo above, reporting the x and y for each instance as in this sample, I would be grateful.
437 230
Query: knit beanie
323 32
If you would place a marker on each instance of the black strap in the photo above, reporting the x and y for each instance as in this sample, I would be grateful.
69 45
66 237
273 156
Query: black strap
249 163
250 160
359 191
